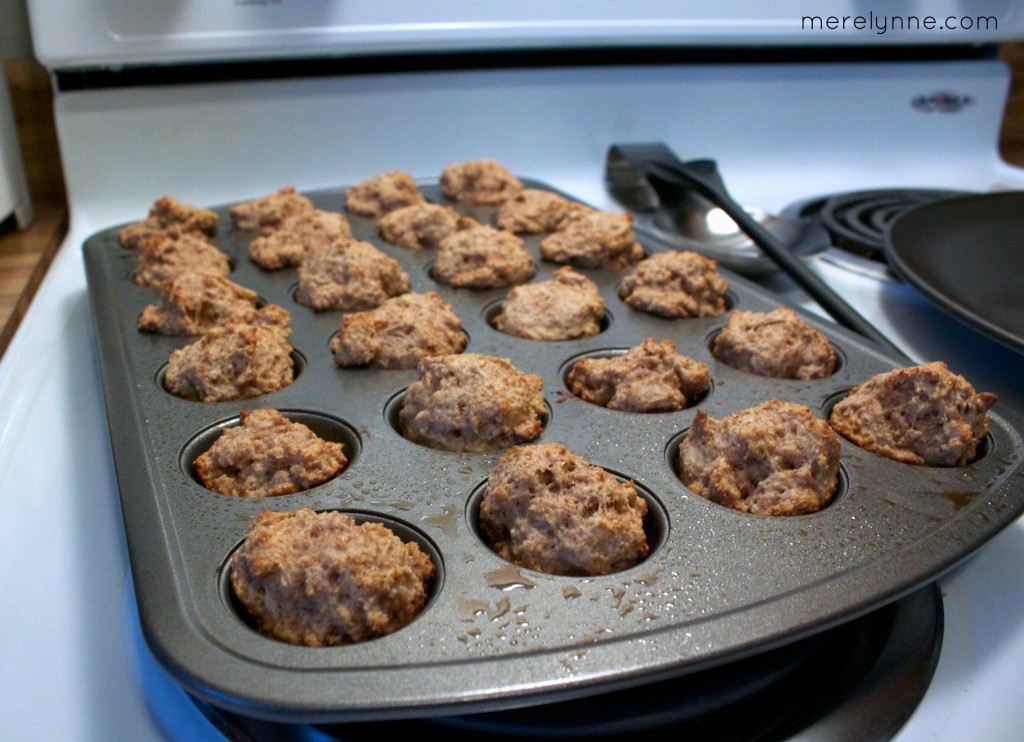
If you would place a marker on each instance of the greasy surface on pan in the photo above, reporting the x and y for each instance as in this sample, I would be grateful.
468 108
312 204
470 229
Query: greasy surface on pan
718 585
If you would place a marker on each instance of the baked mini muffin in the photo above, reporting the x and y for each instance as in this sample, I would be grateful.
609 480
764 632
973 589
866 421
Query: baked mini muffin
194 302
472 402
399 333
382 193
566 307
649 377
773 459
548 509
169 216
535 211
779 344
485 182
268 455
162 257
285 246
922 415
269 212
348 274
483 257
236 360
321 579
594 239
421 226
676 284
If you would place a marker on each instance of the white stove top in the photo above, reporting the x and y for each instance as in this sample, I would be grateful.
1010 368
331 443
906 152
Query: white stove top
74 665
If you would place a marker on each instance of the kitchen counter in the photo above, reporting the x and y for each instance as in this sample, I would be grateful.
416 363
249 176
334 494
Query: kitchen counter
24 257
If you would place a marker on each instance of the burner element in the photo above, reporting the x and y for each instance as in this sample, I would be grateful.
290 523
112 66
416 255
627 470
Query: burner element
856 221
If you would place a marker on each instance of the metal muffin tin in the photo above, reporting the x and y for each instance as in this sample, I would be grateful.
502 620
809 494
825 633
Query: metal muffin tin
718 586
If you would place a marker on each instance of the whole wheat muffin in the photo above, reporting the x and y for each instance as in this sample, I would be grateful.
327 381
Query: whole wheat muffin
194 302
267 455
321 579
421 226
269 212
485 181
236 360
169 216
285 246
594 239
399 333
162 257
349 275
650 377
778 344
472 402
548 509
482 257
535 211
676 284
773 459
382 193
566 307
922 415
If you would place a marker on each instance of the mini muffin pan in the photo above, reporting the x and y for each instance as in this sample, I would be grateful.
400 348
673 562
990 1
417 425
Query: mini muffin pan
718 585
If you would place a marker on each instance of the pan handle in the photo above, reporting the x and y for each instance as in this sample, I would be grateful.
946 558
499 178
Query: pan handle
670 178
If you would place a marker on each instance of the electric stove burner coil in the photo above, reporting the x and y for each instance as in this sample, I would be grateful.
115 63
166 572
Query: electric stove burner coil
856 221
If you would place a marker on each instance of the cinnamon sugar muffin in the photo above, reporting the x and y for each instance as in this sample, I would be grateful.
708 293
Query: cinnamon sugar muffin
236 360
269 212
472 402
382 193
594 239
482 257
399 333
548 509
485 182
676 284
194 302
286 245
534 211
162 257
421 226
349 275
923 415
321 579
773 459
777 344
565 307
171 216
650 377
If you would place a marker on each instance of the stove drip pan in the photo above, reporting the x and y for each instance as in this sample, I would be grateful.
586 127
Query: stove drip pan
860 680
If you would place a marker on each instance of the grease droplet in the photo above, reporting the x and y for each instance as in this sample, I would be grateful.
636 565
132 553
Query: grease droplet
507 577
960 498
469 609
500 609
445 520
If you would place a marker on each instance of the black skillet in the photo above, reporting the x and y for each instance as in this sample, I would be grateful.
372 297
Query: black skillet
966 254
